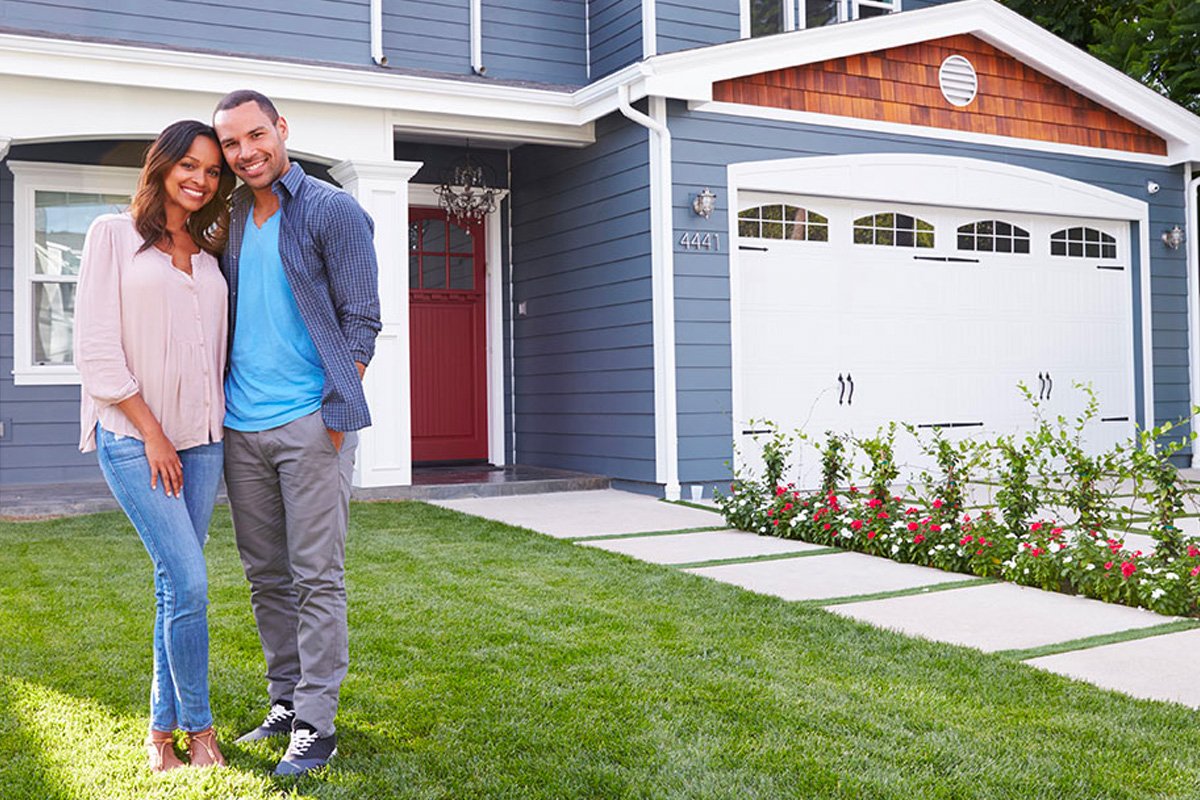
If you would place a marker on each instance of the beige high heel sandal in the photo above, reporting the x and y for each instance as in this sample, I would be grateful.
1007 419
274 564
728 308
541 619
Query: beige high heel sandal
202 746
160 746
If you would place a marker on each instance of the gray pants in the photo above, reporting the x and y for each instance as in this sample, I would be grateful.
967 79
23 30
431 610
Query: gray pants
289 493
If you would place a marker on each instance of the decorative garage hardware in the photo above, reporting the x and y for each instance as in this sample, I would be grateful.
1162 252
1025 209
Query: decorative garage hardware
704 203
696 240
757 431
1113 267
848 382
951 425
779 221
1114 419
993 236
947 258
751 247
958 80
1082 243
1173 238
1047 386
893 230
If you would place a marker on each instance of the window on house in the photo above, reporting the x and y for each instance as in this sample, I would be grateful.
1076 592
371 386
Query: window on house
1082 243
766 17
781 221
893 230
53 206
993 236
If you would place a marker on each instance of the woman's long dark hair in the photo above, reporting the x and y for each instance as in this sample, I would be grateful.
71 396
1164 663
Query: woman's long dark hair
209 226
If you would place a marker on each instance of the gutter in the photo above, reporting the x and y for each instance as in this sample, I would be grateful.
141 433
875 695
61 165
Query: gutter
377 33
662 259
1193 283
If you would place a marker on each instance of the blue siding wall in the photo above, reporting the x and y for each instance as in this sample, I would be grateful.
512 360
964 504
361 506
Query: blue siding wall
615 33
683 25
583 353
704 144
327 30
536 40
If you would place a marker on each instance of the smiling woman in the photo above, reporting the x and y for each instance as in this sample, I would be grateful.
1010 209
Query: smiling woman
150 332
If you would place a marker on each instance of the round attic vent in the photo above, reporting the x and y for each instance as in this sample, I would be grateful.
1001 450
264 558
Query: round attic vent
958 80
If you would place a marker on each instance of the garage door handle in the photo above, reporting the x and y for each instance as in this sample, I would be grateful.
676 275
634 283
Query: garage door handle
1049 385
842 391
850 399
1042 390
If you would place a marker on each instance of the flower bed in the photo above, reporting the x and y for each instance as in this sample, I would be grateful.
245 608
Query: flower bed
1079 555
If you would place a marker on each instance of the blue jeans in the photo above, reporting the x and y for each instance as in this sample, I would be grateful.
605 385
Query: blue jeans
174 531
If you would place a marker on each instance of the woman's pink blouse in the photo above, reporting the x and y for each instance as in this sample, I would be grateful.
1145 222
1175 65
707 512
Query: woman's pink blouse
143 326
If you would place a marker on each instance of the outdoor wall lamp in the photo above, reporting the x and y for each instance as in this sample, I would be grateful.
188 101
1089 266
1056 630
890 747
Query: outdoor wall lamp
1173 238
704 203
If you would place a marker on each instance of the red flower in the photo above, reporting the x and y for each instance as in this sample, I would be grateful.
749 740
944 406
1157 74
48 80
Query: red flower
937 503
1055 533
779 490
1108 565
1035 527
1128 568
770 512
911 510
1037 551
874 502
881 515
871 535
853 490
775 522
827 526
1193 551
1196 572
787 506
856 525
978 552
920 537
912 526
935 528
966 539
966 517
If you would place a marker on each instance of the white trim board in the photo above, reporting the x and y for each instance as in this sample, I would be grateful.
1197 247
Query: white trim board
950 181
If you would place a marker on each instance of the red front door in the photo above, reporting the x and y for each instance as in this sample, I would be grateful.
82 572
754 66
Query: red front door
448 338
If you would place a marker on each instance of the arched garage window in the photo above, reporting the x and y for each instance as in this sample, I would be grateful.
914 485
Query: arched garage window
993 236
781 221
1082 243
893 230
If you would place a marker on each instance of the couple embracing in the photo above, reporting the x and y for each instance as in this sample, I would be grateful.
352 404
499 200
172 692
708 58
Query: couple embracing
227 331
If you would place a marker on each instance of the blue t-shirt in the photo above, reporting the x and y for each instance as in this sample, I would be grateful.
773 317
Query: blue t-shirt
275 374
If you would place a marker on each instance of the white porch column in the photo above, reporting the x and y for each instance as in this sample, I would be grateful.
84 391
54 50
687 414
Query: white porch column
385 449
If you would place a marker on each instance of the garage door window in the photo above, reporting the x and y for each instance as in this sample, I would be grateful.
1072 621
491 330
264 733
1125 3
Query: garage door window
993 236
893 230
1082 243
779 221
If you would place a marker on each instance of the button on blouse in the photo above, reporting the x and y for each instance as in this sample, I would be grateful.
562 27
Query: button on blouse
141 325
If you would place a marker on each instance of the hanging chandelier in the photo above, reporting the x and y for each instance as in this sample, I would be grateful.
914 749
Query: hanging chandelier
468 189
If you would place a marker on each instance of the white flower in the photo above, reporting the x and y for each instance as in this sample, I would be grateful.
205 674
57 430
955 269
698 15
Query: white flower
1056 546
895 548
1173 576
1090 567
1157 593
1067 559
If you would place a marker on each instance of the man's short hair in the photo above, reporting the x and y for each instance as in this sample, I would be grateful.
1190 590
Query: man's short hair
243 96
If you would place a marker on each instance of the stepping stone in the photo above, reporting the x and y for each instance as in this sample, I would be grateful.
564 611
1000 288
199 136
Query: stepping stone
569 514
827 577
1157 668
683 548
1000 616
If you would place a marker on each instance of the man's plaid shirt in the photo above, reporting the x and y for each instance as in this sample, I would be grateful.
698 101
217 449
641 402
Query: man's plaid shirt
326 243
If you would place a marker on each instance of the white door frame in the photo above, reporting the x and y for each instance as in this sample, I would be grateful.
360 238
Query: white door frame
424 195
936 180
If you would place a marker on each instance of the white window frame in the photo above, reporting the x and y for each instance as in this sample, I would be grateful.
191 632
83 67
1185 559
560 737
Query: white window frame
30 177
795 12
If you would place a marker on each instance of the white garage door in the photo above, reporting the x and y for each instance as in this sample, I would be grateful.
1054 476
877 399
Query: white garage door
855 313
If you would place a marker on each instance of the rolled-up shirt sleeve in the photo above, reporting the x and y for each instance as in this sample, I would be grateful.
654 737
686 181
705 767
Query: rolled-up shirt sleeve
99 353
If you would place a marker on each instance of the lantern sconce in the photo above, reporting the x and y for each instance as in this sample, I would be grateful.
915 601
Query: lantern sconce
704 203
1173 238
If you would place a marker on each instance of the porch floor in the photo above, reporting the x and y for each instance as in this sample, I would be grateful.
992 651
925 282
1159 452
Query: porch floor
39 501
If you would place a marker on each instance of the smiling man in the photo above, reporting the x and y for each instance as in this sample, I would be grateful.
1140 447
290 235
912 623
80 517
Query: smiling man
304 313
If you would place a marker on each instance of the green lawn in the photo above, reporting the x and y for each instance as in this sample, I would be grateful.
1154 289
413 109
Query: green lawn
488 661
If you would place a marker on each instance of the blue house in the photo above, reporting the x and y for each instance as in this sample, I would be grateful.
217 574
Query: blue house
827 213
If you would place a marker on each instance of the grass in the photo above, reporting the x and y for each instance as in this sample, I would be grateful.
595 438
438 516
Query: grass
490 662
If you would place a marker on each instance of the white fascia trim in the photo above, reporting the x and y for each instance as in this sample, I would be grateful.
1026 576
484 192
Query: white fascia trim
425 195
690 74
504 132
921 131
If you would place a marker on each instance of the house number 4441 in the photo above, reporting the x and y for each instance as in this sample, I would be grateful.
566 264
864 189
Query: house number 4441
700 241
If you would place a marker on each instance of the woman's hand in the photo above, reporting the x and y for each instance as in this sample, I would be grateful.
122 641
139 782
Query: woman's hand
165 464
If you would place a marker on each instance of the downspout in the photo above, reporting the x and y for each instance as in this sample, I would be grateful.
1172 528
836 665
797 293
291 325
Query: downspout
1193 268
649 31
477 37
377 33
662 261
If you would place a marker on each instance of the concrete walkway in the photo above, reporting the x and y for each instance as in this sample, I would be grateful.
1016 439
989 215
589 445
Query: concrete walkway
1111 646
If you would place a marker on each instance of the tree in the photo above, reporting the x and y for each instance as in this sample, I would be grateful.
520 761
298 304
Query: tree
1155 41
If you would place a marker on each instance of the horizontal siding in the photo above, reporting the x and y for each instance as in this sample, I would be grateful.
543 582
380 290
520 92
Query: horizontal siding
583 362
614 34
704 144
536 40
682 26
430 34
327 30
